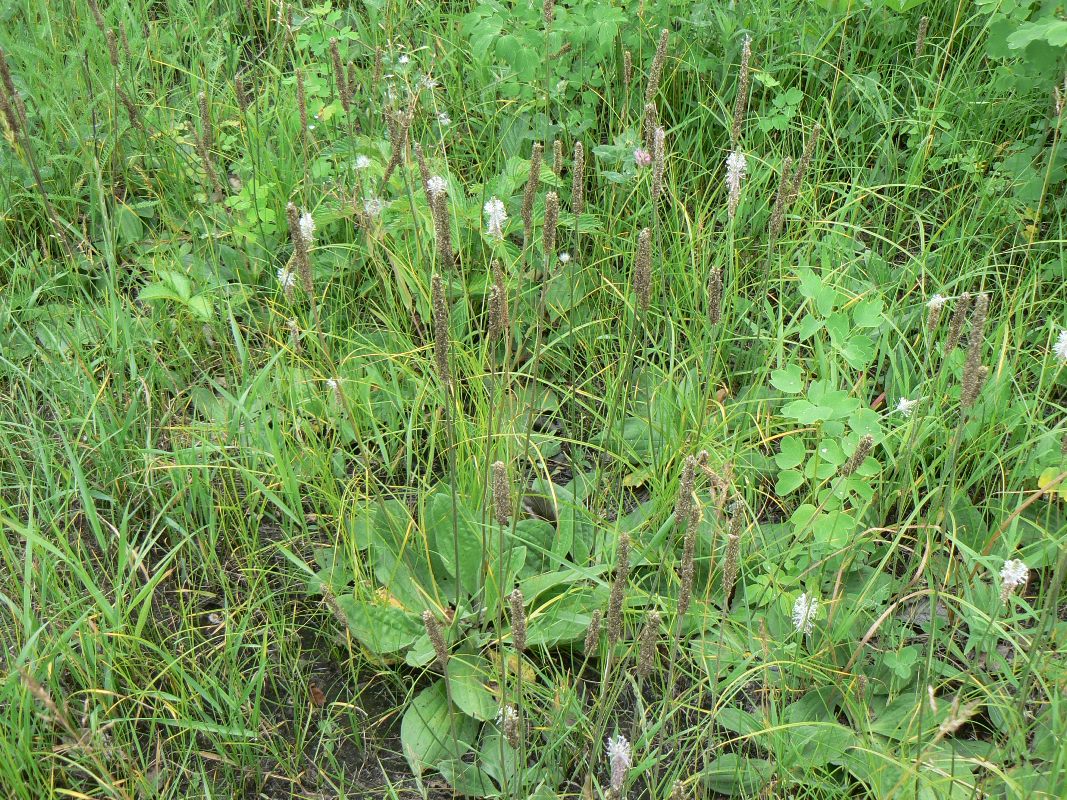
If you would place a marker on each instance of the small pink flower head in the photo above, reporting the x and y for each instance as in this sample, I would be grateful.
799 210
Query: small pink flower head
642 158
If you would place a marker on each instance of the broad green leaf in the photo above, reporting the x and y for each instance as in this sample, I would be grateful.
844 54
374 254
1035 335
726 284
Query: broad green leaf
788 481
789 379
734 774
791 452
430 732
451 533
381 629
468 678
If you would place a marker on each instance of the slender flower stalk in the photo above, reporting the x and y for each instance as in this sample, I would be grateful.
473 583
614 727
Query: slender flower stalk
344 92
301 104
499 317
241 93
627 68
685 593
648 126
643 269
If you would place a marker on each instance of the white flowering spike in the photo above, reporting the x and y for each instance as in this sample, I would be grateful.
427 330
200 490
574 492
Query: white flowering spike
428 82
436 185
619 755
1013 574
1060 348
287 279
906 407
362 162
805 610
333 383
403 60
443 119
564 257
735 172
937 301
307 227
496 216
372 207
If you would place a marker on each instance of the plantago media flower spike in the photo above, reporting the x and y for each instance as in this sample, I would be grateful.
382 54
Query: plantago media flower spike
627 68
301 103
518 620
863 448
592 634
300 248
619 756
685 593
437 639
1013 574
715 296
955 326
780 200
920 38
805 163
618 589
736 164
649 125
741 101
548 235
805 612
646 646
339 78
557 157
440 330
578 179
659 161
934 305
683 504
501 493
655 72
1059 350
532 182
240 92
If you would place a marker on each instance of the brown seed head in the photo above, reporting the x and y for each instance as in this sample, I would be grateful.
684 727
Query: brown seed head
920 38
112 48
805 163
780 200
683 504
685 593
649 125
627 68
301 103
557 157
442 226
241 92
344 93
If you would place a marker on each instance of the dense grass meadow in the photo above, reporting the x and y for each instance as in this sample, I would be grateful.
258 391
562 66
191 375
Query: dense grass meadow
597 399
